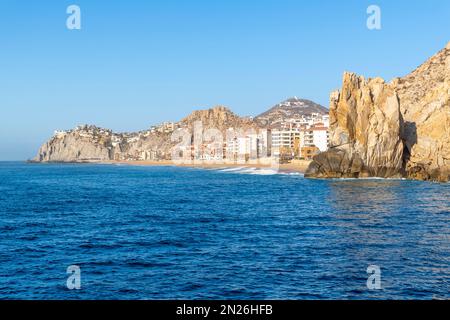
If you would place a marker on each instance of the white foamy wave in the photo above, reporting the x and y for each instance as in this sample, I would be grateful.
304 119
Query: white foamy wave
232 169
264 172
292 174
259 171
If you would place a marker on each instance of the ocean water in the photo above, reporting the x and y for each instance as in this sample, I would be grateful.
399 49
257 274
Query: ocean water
184 233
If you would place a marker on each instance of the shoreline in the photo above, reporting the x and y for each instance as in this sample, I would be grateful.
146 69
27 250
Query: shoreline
299 166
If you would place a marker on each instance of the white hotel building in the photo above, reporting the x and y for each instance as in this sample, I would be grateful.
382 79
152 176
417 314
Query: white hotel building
296 134
315 137
284 140
249 146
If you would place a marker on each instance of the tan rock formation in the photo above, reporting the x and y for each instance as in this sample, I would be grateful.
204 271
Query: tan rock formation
74 146
425 105
364 131
219 117
400 129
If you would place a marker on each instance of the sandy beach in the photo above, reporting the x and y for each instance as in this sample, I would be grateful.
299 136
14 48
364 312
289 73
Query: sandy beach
295 166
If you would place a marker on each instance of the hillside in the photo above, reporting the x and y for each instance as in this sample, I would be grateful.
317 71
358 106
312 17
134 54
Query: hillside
290 108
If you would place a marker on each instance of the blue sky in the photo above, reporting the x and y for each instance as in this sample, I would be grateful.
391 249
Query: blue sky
137 63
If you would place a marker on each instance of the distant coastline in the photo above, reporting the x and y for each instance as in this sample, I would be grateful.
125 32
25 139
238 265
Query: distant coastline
372 129
299 166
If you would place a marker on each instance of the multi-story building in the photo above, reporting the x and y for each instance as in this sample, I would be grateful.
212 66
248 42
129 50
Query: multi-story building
302 137
285 141
250 146
313 137
326 120
148 155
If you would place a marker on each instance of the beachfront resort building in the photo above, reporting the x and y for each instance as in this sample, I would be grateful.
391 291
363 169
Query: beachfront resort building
254 145
313 140
285 141
316 136
301 138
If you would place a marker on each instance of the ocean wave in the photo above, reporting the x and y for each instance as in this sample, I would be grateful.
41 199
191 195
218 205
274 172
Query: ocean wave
264 172
298 174
232 169
259 171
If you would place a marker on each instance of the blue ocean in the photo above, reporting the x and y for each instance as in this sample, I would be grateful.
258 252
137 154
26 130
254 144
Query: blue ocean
186 233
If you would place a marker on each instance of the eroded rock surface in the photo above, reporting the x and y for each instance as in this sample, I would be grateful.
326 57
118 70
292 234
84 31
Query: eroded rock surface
397 129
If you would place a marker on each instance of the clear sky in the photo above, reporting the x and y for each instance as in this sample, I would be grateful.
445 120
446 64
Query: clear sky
137 63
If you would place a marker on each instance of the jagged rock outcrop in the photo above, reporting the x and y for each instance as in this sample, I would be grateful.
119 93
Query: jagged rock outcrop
425 105
365 125
397 129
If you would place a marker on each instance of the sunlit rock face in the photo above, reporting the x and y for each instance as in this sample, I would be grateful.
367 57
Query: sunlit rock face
365 132
76 145
425 105
397 129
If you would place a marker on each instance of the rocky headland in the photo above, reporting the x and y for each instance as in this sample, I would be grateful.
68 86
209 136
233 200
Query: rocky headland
89 143
390 130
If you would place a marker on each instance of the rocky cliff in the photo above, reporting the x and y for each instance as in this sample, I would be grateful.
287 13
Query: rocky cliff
219 117
77 145
90 143
396 129
425 105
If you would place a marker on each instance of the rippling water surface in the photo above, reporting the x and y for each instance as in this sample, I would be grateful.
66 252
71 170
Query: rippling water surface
177 233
